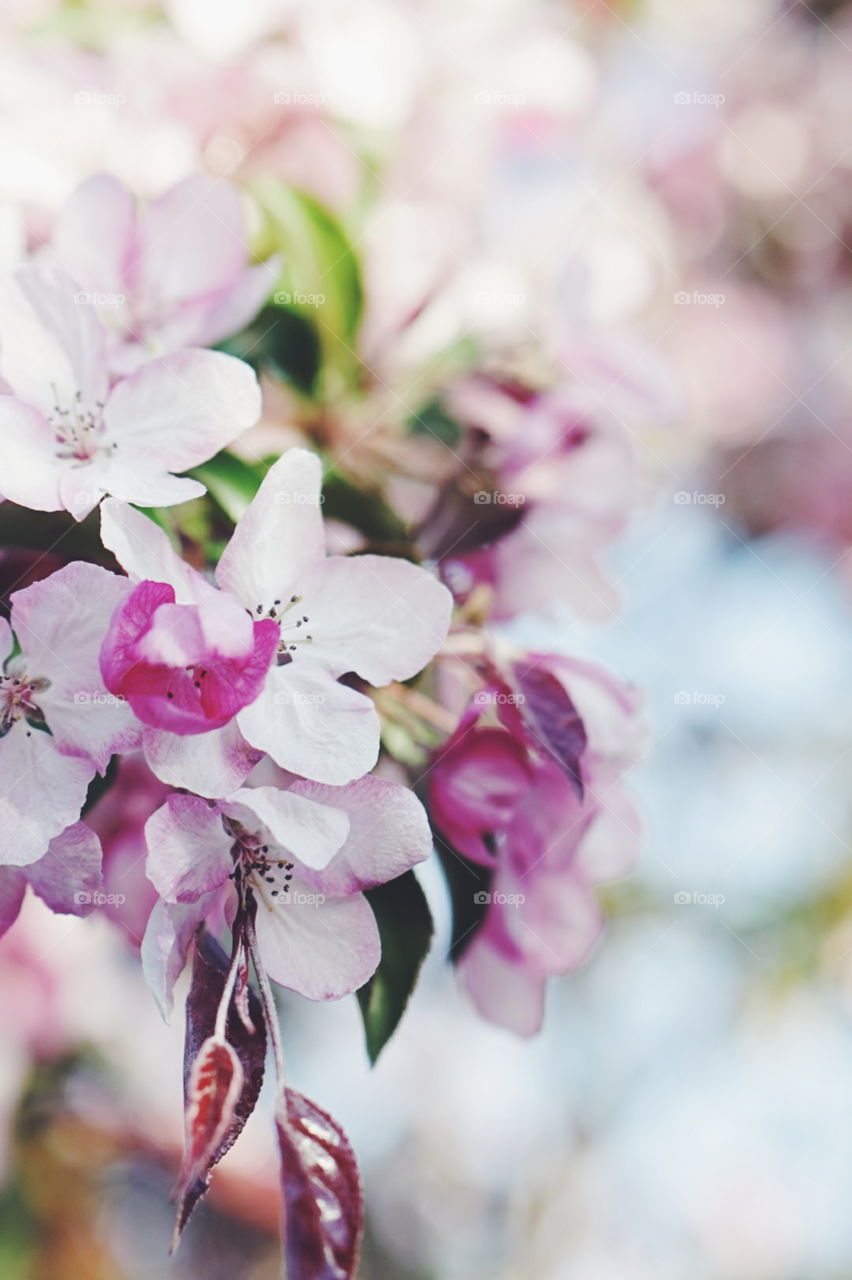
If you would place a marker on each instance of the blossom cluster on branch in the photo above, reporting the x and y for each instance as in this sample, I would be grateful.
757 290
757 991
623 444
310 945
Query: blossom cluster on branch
243 633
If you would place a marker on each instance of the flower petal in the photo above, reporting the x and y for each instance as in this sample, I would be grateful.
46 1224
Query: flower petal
504 992
379 616
322 949
176 412
60 623
313 726
143 550
165 945
13 886
93 234
41 793
68 878
188 849
388 832
192 240
31 471
308 828
211 764
279 541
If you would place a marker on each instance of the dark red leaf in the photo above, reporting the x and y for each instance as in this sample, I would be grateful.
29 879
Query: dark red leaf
323 1206
553 719
213 1090
245 1035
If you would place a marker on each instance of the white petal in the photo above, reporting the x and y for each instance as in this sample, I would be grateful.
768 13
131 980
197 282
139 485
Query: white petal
313 726
210 764
322 949
307 828
377 615
176 412
279 541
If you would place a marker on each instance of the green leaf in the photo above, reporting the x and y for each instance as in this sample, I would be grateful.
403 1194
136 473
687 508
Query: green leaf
405 929
321 274
284 341
433 420
469 887
230 481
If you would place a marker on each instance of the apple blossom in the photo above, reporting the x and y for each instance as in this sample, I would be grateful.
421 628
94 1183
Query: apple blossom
59 725
68 437
304 853
67 877
547 827
379 617
171 275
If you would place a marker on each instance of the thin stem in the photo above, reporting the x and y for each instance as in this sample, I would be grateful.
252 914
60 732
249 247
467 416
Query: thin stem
227 990
268 1000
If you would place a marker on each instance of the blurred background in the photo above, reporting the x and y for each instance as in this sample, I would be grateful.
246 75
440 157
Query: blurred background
662 188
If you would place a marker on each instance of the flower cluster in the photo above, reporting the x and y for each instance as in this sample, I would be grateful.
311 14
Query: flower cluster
266 601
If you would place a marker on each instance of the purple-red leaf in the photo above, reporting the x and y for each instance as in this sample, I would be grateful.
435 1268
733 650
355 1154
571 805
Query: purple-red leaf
553 719
245 1039
213 1090
323 1206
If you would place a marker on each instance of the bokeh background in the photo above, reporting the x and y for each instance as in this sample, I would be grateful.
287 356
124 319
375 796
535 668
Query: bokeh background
665 187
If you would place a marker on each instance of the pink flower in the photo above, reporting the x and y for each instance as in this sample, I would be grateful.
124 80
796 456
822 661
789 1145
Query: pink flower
183 667
502 796
558 481
305 853
118 818
171 275
58 723
375 616
67 437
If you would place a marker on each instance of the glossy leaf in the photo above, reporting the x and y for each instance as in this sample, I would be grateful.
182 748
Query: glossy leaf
405 927
248 1046
322 1201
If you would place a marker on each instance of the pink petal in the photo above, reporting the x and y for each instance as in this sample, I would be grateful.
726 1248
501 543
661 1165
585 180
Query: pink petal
13 886
68 878
388 832
93 234
192 240
505 993
60 622
167 939
188 849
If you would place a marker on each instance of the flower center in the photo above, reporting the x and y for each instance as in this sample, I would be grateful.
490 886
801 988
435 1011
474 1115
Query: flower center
77 430
290 623
260 866
18 693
